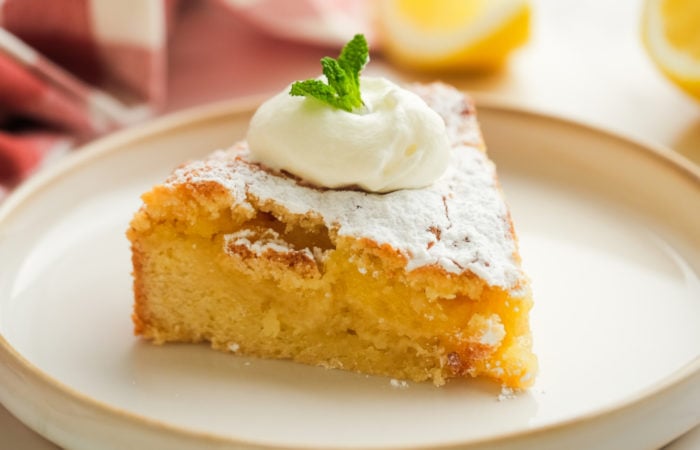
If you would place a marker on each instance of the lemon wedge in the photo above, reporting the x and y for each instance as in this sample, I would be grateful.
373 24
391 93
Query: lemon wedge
464 35
671 34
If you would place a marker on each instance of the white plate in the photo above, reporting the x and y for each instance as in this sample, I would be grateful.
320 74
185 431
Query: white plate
610 234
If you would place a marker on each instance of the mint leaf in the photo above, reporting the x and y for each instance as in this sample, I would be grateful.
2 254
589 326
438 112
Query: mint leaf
354 56
315 88
341 84
343 75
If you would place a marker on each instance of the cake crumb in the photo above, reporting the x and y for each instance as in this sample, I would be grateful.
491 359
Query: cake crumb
362 270
234 347
398 384
506 394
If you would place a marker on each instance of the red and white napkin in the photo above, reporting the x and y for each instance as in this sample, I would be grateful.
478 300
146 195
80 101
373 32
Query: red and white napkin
74 69
71 70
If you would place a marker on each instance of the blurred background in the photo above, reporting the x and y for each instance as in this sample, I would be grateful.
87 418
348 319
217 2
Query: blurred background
74 70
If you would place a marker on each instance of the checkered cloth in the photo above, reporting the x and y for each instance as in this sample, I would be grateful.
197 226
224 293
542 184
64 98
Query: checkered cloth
71 70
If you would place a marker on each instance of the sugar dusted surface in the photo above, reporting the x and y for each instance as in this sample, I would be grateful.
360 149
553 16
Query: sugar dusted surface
459 223
270 241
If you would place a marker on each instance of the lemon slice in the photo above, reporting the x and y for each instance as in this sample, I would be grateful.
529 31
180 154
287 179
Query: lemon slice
475 35
671 34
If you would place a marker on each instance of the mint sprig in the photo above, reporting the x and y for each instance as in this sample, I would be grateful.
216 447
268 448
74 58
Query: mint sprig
343 75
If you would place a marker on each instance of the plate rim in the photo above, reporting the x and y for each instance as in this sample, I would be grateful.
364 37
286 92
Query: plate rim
14 361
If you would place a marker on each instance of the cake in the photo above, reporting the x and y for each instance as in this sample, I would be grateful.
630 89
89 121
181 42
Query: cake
414 284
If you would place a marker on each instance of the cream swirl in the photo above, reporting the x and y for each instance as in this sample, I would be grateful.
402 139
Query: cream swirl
396 142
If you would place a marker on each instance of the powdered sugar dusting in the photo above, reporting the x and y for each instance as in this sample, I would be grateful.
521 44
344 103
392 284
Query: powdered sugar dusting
269 241
459 223
506 394
398 384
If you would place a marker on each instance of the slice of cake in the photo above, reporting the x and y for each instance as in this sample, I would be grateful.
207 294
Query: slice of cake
417 284
360 226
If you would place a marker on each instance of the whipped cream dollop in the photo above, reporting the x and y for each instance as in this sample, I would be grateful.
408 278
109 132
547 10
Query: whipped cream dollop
395 142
